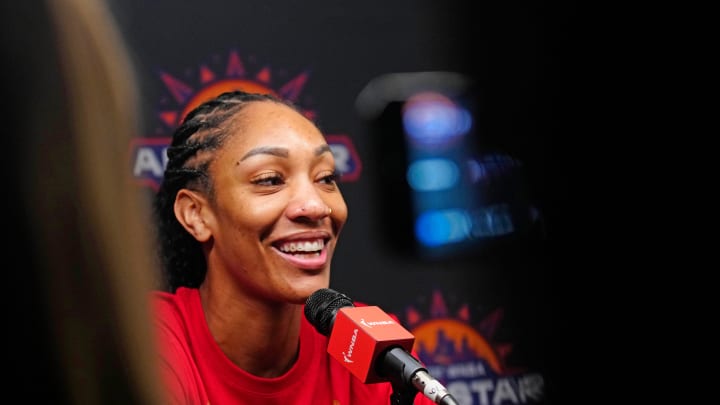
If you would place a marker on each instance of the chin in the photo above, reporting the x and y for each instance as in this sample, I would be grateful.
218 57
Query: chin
303 292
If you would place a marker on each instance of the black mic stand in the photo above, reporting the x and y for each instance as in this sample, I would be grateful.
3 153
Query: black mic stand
407 377
400 367
402 394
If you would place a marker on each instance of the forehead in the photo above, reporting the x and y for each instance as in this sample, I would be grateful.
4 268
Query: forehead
270 123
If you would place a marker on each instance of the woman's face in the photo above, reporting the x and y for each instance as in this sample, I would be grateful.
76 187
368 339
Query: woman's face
276 212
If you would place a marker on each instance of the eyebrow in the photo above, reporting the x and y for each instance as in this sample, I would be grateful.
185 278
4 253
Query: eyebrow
281 152
322 149
267 150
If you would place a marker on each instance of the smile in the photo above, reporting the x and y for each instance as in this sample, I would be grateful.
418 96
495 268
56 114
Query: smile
314 246
308 254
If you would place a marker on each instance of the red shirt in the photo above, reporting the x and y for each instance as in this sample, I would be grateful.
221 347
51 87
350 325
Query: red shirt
197 372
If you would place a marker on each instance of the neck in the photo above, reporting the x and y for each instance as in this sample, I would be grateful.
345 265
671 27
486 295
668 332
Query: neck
261 339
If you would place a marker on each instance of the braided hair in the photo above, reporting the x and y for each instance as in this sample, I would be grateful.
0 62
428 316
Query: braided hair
193 147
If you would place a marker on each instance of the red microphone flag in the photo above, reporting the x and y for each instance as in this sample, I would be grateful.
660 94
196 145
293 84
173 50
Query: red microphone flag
360 334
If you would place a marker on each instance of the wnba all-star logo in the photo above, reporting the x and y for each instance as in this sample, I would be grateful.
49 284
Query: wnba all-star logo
462 356
148 154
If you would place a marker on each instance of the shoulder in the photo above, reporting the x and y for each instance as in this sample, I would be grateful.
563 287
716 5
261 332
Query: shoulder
172 319
161 300
165 307
173 314
164 303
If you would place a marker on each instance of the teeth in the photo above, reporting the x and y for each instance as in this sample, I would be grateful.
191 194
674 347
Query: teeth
306 246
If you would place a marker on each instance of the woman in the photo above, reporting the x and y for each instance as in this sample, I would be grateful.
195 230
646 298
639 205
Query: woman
249 215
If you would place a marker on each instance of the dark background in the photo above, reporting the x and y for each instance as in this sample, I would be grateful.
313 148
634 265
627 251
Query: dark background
522 57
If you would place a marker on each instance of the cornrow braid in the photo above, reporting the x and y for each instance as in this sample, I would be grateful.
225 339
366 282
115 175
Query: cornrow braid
190 153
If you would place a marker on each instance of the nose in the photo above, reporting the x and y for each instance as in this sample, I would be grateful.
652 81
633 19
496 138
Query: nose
307 203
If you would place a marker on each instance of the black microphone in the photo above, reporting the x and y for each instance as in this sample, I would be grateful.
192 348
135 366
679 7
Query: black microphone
371 344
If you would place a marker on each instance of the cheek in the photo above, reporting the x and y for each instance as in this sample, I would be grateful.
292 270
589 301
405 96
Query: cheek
339 210
252 215
338 201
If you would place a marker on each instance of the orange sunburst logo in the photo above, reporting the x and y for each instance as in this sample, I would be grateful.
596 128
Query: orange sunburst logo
148 155
465 359
184 96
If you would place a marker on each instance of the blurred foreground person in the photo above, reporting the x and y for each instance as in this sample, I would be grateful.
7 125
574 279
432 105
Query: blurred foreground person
78 331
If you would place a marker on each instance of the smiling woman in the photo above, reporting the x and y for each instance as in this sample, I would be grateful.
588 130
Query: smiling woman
249 214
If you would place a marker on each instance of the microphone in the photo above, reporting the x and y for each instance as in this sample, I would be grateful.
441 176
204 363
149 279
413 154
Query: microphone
371 344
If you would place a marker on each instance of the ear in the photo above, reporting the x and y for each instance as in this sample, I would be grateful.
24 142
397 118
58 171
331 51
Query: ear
191 210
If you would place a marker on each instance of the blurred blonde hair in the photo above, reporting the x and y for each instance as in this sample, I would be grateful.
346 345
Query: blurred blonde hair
89 222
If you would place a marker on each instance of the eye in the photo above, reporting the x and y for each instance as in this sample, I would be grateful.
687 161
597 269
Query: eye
268 179
330 178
